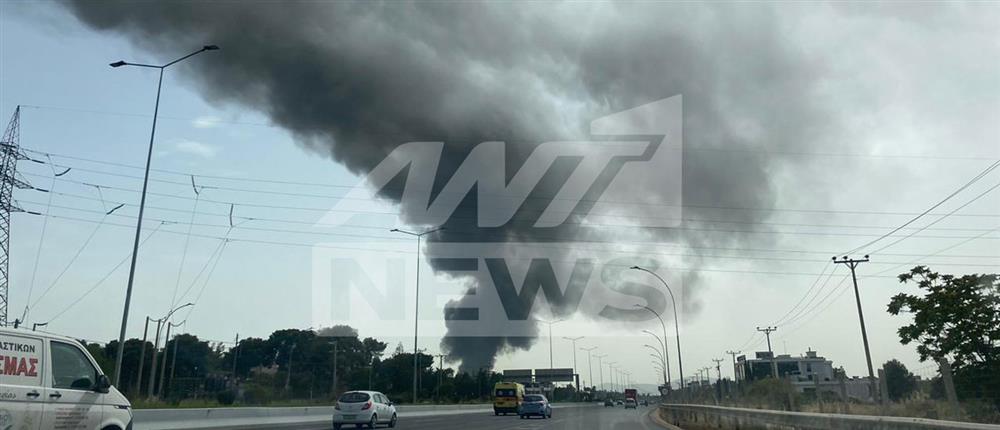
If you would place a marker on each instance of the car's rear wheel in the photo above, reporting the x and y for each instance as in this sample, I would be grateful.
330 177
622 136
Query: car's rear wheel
392 422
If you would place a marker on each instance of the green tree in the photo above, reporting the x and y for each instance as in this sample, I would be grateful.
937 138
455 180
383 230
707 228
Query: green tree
956 317
900 382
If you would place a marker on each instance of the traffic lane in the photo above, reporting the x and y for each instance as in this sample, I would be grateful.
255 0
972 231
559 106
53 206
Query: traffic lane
576 418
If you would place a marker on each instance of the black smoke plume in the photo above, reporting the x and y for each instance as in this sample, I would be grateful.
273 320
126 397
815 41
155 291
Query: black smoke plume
353 80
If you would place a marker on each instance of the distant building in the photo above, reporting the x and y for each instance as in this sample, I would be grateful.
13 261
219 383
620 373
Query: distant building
808 373
803 368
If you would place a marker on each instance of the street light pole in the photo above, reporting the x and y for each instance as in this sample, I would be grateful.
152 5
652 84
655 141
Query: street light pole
600 369
416 303
666 356
142 198
590 366
677 330
574 339
550 323
663 356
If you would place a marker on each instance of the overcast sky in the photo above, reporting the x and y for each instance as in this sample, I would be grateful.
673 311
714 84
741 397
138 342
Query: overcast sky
835 123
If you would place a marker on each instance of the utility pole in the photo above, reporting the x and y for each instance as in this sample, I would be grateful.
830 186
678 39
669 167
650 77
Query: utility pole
767 331
437 391
574 339
236 355
288 377
718 368
163 365
736 374
852 264
173 361
152 366
142 358
333 385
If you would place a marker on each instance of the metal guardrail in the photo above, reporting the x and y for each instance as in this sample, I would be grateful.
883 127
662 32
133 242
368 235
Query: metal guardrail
743 418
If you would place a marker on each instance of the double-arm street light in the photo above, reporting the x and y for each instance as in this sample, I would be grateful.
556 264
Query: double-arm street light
590 367
600 369
574 339
142 199
550 324
677 331
416 301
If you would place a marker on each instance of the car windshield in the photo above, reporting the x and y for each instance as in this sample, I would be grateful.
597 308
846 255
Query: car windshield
533 398
354 398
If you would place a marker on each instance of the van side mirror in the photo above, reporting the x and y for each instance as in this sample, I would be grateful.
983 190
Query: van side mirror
103 384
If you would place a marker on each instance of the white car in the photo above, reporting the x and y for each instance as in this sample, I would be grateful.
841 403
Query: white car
368 408
51 382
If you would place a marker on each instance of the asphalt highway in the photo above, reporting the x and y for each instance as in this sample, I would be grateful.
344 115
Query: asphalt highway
573 418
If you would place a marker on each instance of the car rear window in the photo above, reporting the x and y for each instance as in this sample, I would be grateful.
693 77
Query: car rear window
505 393
354 397
533 398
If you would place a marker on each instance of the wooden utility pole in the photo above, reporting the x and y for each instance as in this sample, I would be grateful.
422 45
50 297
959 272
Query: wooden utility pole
736 374
852 264
767 332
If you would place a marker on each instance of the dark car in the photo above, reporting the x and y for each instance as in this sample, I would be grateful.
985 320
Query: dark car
535 405
609 402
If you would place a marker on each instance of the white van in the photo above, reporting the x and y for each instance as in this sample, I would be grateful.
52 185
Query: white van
52 382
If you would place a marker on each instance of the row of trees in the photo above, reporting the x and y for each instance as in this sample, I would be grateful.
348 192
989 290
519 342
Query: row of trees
288 364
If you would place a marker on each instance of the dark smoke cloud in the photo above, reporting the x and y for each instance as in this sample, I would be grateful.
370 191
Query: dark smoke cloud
354 80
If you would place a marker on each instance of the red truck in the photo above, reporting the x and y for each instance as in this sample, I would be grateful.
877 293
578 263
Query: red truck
631 398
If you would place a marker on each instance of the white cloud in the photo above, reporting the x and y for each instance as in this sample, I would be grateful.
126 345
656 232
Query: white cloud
205 122
196 148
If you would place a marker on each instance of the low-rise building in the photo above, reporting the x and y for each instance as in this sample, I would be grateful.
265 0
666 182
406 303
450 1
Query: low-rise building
808 373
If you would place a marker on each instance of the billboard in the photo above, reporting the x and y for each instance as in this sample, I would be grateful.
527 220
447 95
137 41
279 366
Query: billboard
554 375
517 375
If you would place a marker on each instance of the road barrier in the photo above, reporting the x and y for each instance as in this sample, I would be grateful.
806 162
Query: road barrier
696 417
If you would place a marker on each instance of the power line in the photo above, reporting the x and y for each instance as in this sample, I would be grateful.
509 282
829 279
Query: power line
698 220
801 299
555 245
941 218
501 195
727 149
103 278
928 211
327 246
326 210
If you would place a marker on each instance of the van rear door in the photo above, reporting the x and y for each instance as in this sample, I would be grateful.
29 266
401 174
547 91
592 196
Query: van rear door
21 386
70 399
